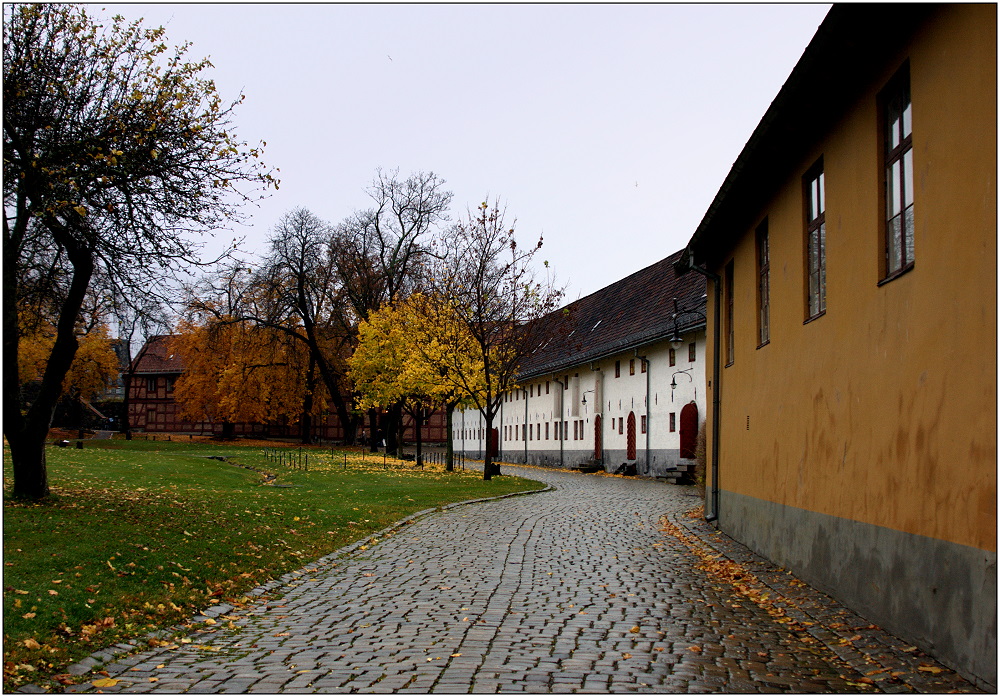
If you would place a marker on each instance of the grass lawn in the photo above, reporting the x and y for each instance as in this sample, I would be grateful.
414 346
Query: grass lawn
139 535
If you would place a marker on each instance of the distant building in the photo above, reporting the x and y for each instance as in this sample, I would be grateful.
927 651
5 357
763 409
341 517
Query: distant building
153 408
853 246
621 385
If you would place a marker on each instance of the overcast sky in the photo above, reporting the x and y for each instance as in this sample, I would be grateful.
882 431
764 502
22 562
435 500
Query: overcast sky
606 128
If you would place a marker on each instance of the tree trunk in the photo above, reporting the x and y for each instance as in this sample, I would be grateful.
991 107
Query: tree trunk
305 422
420 459
450 447
27 454
30 430
488 454
373 430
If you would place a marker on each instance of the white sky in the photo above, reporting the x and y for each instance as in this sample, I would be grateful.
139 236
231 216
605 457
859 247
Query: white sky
607 128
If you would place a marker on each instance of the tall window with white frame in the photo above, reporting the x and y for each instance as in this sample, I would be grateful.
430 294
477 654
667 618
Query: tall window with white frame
763 285
898 152
815 241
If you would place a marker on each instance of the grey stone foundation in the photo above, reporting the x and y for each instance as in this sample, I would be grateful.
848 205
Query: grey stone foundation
939 595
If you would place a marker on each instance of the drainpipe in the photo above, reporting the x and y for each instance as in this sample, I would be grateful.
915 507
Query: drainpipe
648 424
562 436
524 433
500 434
686 263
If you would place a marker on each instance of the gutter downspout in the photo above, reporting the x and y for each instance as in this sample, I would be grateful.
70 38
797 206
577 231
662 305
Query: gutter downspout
500 433
648 429
687 264
524 433
562 392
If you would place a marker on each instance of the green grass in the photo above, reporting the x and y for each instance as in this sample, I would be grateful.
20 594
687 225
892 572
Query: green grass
139 535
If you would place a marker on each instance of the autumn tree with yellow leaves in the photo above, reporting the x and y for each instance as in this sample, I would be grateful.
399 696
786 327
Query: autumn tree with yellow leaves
238 372
117 151
398 361
485 301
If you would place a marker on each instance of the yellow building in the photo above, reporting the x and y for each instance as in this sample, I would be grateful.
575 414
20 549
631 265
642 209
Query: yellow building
851 253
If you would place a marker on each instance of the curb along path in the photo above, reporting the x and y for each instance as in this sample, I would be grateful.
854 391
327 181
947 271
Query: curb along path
572 589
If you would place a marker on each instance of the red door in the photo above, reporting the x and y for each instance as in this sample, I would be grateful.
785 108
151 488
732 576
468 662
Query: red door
689 430
630 427
598 444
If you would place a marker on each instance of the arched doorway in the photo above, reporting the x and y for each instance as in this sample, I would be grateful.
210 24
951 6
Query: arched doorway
689 430
630 428
598 441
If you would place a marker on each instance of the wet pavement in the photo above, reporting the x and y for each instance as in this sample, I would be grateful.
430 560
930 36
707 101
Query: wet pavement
599 584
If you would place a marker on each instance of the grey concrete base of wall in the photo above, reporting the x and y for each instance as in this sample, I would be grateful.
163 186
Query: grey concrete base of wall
938 595
660 460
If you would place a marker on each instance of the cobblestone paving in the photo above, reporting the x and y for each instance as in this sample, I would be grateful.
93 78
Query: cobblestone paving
575 589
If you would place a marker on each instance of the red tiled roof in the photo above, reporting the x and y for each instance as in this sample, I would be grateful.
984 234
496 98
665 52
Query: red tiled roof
156 356
630 313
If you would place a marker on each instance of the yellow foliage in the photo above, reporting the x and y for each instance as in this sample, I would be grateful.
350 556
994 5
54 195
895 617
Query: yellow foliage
94 367
236 372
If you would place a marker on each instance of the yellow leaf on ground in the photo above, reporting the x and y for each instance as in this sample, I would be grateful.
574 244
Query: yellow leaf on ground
933 670
31 644
105 682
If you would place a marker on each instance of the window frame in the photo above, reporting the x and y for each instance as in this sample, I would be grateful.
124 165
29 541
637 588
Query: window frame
763 252
815 238
896 94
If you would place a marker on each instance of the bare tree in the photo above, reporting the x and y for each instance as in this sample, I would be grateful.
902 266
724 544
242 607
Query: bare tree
486 300
116 149
378 255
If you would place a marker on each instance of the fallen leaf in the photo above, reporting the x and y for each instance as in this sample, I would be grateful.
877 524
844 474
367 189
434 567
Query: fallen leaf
696 649
31 644
626 655
104 682
635 630
455 655
154 680
933 670
28 615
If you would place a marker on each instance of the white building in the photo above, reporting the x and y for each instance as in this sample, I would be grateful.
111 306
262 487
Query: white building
622 383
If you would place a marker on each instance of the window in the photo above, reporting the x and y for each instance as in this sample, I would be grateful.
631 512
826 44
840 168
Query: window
170 384
815 242
631 366
763 285
546 387
673 357
575 430
621 425
531 391
642 365
897 129
618 369
730 333
643 422
692 353
673 422
150 384
524 432
546 430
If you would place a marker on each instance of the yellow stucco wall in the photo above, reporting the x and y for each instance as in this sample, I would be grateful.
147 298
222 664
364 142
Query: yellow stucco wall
884 409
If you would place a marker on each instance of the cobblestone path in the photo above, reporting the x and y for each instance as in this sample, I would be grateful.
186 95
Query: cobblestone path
573 589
